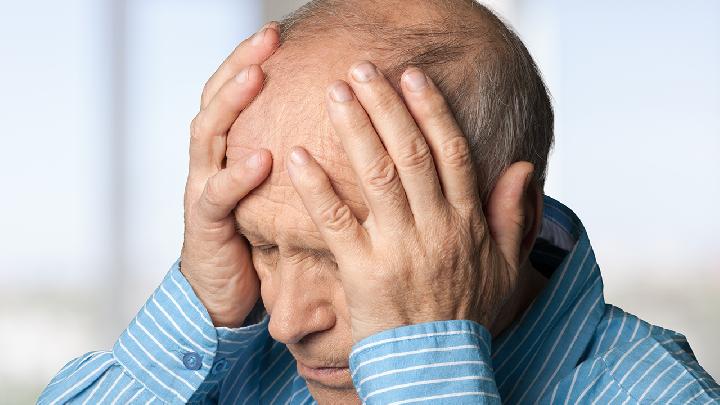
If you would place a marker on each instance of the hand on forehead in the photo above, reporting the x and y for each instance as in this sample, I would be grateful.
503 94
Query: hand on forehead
290 111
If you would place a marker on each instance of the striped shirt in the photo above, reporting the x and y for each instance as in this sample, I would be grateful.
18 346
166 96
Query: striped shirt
567 347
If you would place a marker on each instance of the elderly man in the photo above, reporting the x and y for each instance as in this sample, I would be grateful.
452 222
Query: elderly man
383 239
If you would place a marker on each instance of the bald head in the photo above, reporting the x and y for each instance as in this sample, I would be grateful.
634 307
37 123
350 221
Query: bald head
490 80
486 73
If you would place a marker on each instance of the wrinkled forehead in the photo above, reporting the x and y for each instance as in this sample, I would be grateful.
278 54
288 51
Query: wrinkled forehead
290 111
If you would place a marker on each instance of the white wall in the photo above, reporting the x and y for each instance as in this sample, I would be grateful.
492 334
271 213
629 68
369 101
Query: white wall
93 163
636 87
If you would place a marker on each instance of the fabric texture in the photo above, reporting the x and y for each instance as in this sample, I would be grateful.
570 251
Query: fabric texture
568 347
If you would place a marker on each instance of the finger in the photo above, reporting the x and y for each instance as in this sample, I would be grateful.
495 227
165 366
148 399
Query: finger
448 144
252 51
209 128
506 210
225 189
374 167
338 226
401 137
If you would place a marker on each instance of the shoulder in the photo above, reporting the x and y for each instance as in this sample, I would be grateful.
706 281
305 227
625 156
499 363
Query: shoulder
645 359
617 329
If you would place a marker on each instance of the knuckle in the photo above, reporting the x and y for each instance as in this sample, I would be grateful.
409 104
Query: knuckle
213 192
467 204
415 156
192 191
336 216
205 94
208 90
197 127
456 152
381 175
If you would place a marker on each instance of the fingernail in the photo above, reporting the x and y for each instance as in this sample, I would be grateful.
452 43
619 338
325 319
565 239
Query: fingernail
272 25
340 92
364 72
254 161
243 76
299 156
259 36
415 80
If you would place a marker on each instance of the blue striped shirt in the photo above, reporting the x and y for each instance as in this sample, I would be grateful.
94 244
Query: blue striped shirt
568 347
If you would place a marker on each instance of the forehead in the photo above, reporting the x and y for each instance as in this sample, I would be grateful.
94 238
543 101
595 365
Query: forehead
290 111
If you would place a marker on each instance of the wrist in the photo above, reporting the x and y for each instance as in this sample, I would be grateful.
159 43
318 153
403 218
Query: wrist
228 302
230 308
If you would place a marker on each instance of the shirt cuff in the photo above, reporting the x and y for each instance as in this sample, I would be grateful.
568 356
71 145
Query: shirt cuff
445 361
172 346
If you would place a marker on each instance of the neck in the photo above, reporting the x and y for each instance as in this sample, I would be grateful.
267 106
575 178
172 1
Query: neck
530 284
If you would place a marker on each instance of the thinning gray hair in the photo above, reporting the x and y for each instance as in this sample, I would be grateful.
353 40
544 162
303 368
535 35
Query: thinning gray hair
491 82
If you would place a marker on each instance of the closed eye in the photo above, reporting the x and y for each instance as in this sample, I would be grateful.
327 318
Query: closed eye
266 248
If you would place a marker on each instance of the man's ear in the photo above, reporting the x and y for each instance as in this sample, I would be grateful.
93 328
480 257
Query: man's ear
514 212
534 207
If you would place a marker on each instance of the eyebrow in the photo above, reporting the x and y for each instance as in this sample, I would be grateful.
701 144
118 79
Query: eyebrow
248 234
261 240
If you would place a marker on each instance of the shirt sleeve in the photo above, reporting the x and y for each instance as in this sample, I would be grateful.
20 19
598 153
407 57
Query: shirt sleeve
444 362
659 368
170 352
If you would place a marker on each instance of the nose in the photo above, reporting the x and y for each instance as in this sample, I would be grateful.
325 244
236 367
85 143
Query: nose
301 307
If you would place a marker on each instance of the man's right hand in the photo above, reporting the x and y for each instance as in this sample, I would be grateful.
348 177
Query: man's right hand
215 259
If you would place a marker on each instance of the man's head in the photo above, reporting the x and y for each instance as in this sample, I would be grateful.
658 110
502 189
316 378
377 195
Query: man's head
491 84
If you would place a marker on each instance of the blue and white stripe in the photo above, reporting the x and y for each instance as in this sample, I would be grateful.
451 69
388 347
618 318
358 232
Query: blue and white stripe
568 347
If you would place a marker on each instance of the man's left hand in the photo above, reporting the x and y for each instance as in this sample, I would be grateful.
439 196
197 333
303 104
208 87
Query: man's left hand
426 251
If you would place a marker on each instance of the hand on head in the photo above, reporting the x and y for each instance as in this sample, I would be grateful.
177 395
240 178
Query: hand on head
425 252
415 174
215 258
352 210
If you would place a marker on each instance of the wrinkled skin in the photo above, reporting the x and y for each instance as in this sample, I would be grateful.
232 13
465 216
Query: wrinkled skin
302 288
299 286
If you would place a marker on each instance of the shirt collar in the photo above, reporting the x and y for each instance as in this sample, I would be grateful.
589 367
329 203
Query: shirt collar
568 309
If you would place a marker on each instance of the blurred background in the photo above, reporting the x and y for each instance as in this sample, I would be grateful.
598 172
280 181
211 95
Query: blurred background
96 100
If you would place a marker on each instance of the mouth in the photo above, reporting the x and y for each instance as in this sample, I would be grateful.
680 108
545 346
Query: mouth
329 376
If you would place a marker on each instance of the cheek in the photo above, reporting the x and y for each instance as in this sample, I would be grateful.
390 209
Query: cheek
340 304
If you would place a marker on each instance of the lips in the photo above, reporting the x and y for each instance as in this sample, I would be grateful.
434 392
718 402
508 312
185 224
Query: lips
320 364
335 376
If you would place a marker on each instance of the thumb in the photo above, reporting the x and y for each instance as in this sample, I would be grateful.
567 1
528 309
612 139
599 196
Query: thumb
505 211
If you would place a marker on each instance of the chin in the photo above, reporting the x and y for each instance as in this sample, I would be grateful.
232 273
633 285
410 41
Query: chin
330 396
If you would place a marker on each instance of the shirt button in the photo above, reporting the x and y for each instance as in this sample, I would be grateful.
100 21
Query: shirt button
220 366
192 361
